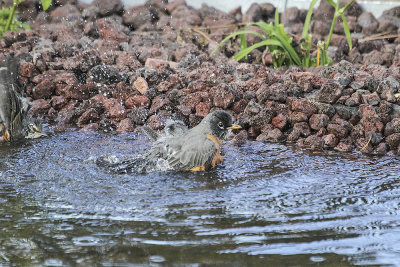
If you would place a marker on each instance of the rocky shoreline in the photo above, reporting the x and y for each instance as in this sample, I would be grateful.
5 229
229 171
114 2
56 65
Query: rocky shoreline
108 67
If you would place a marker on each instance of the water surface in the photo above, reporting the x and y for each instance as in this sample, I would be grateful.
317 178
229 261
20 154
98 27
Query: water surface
267 205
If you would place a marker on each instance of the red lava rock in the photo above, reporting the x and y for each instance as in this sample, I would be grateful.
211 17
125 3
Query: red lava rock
88 116
45 89
125 126
329 92
303 128
367 110
160 102
110 30
342 147
114 109
202 109
304 105
372 99
224 96
295 117
137 101
372 124
239 106
280 121
157 64
128 60
353 100
193 99
141 85
58 102
26 69
330 140
39 106
318 121
393 140
314 142
276 91
338 130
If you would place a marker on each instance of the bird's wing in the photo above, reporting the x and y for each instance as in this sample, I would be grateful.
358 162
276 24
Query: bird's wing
195 152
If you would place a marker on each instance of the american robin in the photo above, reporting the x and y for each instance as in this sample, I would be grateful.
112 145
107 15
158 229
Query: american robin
198 149
14 122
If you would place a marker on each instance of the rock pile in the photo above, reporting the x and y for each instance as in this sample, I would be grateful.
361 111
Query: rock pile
107 67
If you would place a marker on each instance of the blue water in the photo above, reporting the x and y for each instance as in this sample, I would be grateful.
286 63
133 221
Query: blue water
267 204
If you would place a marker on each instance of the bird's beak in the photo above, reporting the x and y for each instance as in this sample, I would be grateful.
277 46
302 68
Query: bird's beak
235 127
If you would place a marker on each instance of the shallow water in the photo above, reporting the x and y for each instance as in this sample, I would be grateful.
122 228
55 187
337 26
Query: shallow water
267 204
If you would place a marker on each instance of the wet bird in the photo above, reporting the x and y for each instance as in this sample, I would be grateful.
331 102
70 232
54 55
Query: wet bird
14 122
197 149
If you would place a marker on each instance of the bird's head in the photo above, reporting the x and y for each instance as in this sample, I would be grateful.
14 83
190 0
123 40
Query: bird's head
221 123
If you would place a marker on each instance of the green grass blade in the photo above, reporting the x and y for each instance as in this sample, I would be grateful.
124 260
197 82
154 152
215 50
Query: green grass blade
46 4
267 28
308 19
347 31
276 17
234 35
246 51
286 44
332 3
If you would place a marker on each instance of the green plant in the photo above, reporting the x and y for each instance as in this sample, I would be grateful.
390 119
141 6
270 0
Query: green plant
279 44
8 22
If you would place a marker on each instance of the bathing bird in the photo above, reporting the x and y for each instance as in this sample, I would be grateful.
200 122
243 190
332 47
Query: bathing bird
15 124
197 149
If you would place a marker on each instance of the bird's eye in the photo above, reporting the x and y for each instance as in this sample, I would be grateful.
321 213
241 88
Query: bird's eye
220 125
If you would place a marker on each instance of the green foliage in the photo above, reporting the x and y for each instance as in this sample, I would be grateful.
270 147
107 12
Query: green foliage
8 22
46 4
279 44
14 24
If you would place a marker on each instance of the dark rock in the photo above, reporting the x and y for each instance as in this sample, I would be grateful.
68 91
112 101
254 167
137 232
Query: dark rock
314 142
338 130
393 141
108 7
329 92
105 74
138 116
330 140
342 147
392 127
240 138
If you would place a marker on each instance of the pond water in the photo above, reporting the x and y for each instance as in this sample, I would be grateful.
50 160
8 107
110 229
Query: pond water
267 204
